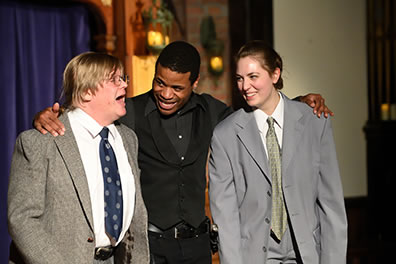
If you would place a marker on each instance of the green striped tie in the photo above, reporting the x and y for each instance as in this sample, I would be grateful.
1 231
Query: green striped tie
279 217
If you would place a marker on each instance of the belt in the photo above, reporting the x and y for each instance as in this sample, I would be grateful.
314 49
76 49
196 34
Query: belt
180 231
103 253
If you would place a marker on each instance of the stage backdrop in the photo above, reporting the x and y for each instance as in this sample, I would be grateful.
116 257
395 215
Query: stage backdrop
37 41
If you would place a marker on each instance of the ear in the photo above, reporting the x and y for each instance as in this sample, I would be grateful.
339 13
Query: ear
276 75
87 96
195 84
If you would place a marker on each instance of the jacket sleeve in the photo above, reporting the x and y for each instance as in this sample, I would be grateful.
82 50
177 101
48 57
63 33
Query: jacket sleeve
333 222
223 203
26 201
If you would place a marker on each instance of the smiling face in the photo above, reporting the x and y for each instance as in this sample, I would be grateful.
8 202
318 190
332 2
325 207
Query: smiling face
257 85
171 89
107 103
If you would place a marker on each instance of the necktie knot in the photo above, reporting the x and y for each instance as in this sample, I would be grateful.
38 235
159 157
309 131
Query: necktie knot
104 133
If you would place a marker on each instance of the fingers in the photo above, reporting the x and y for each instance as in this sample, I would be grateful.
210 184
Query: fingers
54 126
38 126
319 107
47 121
317 102
56 107
308 99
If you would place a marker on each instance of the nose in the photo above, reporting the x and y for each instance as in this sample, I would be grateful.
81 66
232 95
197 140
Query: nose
124 83
167 93
243 85
123 86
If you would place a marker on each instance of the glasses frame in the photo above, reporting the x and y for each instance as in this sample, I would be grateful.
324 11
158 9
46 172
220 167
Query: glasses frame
116 79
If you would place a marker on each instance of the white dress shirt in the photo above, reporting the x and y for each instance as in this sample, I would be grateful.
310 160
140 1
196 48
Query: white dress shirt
277 115
86 131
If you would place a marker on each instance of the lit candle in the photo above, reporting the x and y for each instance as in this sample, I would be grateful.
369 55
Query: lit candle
154 38
216 63
158 39
385 111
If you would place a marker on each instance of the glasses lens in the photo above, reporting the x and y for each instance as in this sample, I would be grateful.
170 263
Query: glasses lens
125 78
118 78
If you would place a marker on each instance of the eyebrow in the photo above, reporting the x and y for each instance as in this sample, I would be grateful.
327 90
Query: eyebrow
249 74
158 79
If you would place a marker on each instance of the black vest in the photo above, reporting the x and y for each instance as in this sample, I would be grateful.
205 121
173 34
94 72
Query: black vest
173 189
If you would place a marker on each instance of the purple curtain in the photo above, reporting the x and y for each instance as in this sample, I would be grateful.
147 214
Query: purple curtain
37 41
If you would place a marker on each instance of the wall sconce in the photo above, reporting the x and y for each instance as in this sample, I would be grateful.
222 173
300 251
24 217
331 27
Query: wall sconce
156 40
388 111
216 64
213 47
158 23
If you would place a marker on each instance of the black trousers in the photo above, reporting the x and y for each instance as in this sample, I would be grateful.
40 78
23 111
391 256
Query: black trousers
194 250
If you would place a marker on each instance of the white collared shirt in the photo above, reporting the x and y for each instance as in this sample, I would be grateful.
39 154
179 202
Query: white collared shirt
86 131
277 115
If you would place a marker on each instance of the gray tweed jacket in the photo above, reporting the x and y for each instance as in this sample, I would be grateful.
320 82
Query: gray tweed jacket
49 207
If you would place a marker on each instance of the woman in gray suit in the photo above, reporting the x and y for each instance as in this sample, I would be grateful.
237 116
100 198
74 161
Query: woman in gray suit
275 189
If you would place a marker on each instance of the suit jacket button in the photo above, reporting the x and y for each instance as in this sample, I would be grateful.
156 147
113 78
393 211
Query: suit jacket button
90 240
269 193
267 220
264 249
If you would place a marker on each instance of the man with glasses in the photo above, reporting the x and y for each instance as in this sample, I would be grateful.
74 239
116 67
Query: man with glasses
77 198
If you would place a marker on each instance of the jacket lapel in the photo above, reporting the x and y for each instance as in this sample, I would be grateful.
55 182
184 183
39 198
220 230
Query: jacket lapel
249 136
68 149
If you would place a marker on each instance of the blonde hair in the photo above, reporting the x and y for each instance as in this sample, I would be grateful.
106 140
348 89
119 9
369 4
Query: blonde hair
86 72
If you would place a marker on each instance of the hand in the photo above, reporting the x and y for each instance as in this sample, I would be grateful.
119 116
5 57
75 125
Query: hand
317 102
47 121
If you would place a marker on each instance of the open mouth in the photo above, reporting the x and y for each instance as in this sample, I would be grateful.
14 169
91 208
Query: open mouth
166 105
121 97
249 95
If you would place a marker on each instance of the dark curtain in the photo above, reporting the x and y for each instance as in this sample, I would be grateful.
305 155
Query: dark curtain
36 41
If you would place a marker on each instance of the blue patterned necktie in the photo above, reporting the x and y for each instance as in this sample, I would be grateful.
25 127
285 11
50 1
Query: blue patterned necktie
279 216
112 188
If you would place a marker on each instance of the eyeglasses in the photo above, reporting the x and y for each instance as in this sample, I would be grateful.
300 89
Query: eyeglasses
116 79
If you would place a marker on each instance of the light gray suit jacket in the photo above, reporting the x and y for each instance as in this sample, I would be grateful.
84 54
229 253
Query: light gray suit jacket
240 188
49 209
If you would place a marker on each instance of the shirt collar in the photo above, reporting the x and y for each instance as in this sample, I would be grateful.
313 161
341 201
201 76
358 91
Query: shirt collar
192 103
90 124
277 115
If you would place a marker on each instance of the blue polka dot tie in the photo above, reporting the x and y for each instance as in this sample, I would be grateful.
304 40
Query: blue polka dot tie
112 188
